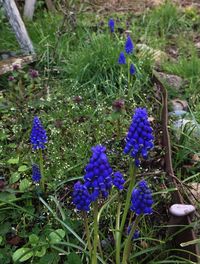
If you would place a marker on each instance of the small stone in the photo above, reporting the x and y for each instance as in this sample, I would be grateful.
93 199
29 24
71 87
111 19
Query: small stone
172 80
181 209
179 105
197 45
157 55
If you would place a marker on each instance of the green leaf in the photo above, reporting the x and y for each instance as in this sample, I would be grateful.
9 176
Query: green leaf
13 160
33 239
56 236
22 168
5 227
50 258
1 240
5 197
3 135
73 258
41 253
24 185
14 177
22 254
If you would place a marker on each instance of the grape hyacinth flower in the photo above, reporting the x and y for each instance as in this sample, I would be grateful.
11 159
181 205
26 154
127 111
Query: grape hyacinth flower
132 69
38 136
118 180
129 47
122 59
141 199
136 233
98 177
36 174
111 24
81 197
139 139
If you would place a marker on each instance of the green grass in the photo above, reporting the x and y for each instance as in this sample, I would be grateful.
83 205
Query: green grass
84 64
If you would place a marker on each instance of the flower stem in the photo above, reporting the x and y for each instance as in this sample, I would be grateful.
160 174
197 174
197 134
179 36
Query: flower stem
127 246
126 208
117 231
42 169
120 83
128 197
118 128
129 76
95 242
87 232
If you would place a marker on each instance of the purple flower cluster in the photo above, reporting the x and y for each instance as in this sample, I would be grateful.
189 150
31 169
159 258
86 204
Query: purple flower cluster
118 180
141 199
129 47
136 233
36 174
132 69
38 136
139 139
111 25
81 197
11 78
33 73
122 58
98 177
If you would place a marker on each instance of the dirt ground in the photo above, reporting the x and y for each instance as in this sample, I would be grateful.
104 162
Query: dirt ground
137 6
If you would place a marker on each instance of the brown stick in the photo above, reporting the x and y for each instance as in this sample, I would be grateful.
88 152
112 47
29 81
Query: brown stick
187 234
18 26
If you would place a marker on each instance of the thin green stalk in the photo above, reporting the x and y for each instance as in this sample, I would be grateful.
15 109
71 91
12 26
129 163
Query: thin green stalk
87 231
42 170
118 128
95 242
117 230
120 83
127 246
129 76
100 248
128 197
126 209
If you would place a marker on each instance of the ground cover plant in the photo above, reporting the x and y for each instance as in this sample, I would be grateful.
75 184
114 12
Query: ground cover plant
82 161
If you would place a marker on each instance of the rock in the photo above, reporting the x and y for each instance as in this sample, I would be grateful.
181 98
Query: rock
178 113
186 125
197 45
172 80
157 55
179 105
180 210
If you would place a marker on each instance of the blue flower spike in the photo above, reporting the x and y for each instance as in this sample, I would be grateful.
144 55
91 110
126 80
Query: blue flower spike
136 234
118 180
122 58
38 135
36 174
111 24
141 199
132 69
139 140
81 197
129 47
98 176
